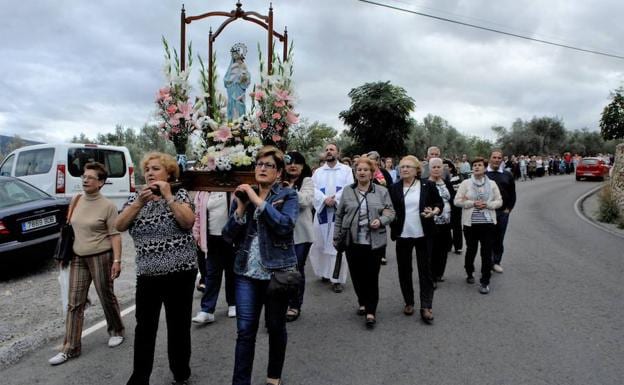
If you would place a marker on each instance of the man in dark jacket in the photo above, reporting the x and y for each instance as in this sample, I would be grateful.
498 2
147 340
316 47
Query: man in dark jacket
505 181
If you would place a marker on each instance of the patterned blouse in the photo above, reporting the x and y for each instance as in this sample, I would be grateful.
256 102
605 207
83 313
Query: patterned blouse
161 245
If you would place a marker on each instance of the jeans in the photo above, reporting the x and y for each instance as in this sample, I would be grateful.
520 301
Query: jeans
251 295
502 219
423 248
475 234
175 291
301 250
219 259
364 264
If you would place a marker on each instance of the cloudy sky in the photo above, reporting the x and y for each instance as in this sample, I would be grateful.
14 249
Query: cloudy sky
70 66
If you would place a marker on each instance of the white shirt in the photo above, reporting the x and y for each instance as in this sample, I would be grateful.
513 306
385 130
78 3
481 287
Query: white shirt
412 228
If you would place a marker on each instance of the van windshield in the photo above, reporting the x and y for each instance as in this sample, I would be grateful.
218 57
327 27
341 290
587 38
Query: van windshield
33 162
114 161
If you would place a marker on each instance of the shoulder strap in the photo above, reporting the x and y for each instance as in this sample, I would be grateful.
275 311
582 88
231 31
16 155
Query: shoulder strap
72 206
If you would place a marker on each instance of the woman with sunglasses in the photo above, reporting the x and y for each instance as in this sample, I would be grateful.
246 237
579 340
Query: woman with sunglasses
261 227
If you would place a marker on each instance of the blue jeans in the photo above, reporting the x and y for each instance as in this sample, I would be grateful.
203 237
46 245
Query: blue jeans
502 219
301 250
220 259
251 295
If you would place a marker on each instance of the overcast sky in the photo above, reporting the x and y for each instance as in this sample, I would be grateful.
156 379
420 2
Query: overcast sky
83 66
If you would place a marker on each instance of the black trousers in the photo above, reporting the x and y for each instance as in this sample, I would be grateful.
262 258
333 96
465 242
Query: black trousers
364 264
423 246
441 246
175 291
458 236
482 233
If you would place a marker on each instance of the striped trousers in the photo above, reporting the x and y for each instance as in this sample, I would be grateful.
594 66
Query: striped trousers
83 270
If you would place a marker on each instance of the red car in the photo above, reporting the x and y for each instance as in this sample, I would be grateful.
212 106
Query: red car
592 168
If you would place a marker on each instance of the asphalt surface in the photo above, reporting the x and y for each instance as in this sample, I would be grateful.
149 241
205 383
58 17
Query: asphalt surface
555 316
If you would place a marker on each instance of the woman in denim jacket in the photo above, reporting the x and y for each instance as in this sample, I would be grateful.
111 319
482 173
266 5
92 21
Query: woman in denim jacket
261 226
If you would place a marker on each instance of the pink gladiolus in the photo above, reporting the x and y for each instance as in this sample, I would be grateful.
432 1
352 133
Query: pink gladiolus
282 95
223 134
258 95
276 138
185 110
172 109
276 116
174 121
279 103
278 127
164 93
292 118
264 125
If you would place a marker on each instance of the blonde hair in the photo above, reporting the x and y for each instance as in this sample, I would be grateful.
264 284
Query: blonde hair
414 161
275 153
166 160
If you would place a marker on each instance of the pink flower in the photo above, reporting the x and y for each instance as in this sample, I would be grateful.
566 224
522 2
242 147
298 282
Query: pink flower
185 110
278 127
164 94
282 95
276 138
223 134
174 121
172 109
276 116
175 130
211 164
258 114
264 125
279 103
292 118
258 95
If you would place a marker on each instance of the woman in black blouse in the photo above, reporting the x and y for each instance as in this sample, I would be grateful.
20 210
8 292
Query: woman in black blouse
160 224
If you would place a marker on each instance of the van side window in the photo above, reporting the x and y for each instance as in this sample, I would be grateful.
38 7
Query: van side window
7 166
115 161
34 162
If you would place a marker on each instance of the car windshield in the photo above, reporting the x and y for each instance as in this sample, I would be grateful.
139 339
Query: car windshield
590 162
14 192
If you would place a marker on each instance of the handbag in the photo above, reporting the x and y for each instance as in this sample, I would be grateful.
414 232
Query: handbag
284 283
65 246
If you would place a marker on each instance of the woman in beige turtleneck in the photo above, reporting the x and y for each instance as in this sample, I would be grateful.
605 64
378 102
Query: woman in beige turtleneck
97 258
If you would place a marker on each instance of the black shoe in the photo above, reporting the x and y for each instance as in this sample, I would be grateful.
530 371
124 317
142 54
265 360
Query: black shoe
361 310
435 285
323 279
459 251
337 288
370 322
426 315
470 279
292 314
384 261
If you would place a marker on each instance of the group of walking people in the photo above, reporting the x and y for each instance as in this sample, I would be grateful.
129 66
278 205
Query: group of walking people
262 233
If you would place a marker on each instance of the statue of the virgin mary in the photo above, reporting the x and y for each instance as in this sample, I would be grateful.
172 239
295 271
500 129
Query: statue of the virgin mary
236 81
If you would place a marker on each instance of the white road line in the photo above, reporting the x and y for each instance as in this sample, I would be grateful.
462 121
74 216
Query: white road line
100 325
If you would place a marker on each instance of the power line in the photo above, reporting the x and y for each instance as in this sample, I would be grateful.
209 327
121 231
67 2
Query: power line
492 29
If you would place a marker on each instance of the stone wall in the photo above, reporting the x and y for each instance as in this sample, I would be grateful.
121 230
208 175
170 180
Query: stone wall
617 176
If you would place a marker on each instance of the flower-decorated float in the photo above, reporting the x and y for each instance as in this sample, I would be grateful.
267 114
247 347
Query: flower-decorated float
228 133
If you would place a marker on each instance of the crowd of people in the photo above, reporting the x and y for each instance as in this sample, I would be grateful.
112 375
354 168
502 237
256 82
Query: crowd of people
260 236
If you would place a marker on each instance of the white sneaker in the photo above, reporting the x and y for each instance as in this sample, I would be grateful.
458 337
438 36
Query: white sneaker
231 311
203 318
58 359
497 268
115 341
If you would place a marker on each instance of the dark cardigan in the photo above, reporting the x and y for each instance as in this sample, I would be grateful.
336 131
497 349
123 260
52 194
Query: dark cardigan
429 197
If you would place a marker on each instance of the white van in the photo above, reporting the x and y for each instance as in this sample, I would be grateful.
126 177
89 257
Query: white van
56 168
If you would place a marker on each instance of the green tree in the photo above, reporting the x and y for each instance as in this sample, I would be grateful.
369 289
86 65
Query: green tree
379 117
309 139
612 120
82 138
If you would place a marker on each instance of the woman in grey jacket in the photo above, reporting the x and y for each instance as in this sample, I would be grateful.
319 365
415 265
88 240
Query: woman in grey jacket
362 216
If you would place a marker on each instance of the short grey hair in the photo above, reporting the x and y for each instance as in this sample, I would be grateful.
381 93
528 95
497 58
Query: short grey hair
373 154
433 148
432 161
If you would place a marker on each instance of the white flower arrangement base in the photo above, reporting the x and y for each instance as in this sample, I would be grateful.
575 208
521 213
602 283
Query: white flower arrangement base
216 181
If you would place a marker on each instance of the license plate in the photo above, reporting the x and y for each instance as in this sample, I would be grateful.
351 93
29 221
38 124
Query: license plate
36 223
589 174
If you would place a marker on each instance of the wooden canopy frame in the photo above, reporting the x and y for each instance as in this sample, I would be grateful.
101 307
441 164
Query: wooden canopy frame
265 22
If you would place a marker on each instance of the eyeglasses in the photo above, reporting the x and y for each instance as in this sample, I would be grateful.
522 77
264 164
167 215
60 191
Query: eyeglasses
88 177
268 166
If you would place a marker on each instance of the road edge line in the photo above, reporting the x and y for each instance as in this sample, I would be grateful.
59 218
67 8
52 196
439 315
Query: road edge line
578 209
101 324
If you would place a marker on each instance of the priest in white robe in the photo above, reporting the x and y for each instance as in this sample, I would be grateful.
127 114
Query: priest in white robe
329 182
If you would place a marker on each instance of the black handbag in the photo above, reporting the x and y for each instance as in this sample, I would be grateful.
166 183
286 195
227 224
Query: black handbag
65 246
284 283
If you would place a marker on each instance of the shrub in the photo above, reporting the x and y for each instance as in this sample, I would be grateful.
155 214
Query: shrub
608 209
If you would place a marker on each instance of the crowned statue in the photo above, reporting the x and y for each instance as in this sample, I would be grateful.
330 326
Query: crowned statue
236 82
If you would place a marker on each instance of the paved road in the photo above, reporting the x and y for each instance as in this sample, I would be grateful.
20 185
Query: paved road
556 316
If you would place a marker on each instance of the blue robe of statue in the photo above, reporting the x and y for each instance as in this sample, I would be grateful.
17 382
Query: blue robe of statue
236 82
